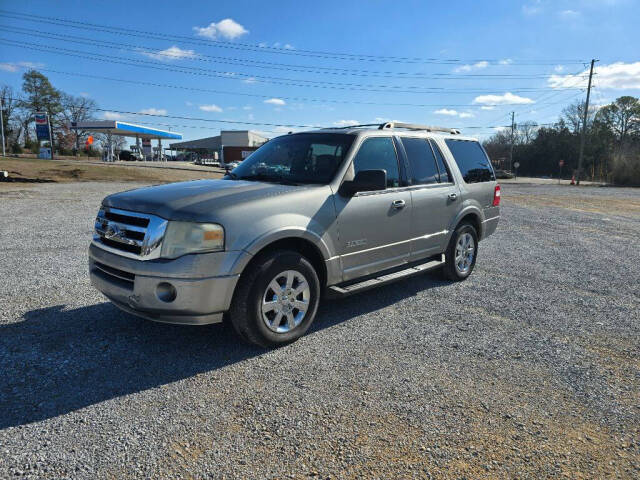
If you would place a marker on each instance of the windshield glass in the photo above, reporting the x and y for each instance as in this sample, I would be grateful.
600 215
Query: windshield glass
296 158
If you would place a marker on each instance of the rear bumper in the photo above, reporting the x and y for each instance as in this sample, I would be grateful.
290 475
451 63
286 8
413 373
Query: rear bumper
133 285
489 226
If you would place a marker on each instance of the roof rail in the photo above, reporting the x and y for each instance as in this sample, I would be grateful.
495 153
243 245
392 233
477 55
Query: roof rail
347 127
413 126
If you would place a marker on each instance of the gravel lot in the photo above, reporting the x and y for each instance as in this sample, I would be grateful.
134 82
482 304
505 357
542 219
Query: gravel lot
530 368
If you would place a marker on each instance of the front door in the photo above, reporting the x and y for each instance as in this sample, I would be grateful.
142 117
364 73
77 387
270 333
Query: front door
374 227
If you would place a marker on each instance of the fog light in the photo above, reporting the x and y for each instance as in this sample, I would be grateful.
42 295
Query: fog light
166 292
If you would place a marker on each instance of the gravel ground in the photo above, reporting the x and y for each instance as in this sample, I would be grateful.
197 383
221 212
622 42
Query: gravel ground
529 369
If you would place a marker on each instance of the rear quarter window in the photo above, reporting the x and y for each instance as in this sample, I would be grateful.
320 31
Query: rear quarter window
473 163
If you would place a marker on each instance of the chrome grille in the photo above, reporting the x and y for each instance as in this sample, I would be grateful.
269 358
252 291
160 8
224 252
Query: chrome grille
131 234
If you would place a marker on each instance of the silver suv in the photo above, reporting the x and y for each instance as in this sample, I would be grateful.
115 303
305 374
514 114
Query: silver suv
334 211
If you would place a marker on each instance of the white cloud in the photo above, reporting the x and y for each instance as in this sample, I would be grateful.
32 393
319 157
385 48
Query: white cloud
210 108
559 68
153 111
172 53
487 107
247 107
617 75
227 28
15 66
346 123
85 94
113 116
505 99
454 113
506 61
445 111
275 101
250 116
288 46
250 80
569 13
475 66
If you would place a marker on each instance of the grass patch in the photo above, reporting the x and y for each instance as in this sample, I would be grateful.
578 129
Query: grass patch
32 170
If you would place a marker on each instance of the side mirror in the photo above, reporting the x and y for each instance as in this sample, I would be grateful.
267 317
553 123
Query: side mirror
365 181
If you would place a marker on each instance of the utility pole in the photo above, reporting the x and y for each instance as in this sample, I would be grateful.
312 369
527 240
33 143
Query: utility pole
4 154
513 128
584 124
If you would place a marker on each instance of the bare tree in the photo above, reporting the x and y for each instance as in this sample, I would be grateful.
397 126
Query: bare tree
573 113
526 132
8 105
74 110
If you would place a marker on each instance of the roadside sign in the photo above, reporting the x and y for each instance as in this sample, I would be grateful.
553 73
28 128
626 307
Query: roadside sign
42 126
516 164
561 163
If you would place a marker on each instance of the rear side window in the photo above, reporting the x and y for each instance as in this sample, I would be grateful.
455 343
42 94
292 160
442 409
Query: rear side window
421 161
378 153
445 176
471 160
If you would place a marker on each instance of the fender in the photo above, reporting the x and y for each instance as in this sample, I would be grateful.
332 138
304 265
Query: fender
281 233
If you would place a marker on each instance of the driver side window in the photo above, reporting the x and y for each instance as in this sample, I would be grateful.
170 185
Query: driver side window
378 153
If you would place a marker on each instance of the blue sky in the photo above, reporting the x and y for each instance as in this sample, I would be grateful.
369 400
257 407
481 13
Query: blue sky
472 62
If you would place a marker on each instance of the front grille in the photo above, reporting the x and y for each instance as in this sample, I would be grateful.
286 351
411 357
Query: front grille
128 219
132 234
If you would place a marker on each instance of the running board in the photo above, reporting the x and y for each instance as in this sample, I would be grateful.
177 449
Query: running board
342 291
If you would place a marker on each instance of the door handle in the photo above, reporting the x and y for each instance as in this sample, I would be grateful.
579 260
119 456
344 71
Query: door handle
453 196
398 204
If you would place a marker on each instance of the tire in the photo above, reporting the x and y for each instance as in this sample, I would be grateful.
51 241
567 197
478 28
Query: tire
263 315
465 238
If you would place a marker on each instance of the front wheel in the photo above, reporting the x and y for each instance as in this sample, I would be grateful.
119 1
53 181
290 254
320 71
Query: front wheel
460 257
276 300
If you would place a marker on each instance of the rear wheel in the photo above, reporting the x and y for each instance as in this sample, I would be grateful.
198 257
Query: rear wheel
460 257
276 300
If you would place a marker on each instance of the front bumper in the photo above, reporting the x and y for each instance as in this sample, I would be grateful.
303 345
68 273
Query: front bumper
133 285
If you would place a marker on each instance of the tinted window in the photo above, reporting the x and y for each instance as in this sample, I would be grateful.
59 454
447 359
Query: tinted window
302 157
421 161
378 153
445 176
472 161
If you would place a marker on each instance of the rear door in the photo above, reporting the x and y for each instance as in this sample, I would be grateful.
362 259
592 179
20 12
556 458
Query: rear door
477 173
434 196
374 227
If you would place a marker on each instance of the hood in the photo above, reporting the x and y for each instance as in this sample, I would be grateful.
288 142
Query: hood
195 201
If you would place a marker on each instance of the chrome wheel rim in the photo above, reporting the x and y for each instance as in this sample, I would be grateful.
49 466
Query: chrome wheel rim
286 301
465 250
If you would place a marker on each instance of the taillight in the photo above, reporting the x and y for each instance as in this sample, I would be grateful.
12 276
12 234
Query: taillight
496 196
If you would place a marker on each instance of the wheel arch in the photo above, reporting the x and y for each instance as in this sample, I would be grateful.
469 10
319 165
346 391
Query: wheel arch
472 216
298 243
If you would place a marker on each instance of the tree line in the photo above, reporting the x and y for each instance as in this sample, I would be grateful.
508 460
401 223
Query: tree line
39 95
612 148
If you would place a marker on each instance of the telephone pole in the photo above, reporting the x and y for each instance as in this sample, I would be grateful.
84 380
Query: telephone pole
4 154
513 128
584 124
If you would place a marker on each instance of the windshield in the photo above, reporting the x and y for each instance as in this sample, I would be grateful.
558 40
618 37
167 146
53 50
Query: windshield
296 158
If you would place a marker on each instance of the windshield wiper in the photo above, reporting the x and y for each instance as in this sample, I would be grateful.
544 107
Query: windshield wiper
232 175
261 177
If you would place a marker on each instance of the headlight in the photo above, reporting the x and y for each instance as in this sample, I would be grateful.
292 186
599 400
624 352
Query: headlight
181 238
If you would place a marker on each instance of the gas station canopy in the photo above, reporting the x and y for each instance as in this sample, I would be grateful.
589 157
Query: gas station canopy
125 129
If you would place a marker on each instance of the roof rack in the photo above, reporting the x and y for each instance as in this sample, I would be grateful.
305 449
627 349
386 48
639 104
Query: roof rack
413 126
347 127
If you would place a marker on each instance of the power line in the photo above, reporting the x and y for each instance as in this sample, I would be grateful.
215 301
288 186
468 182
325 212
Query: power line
244 76
215 120
83 25
154 53
261 96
